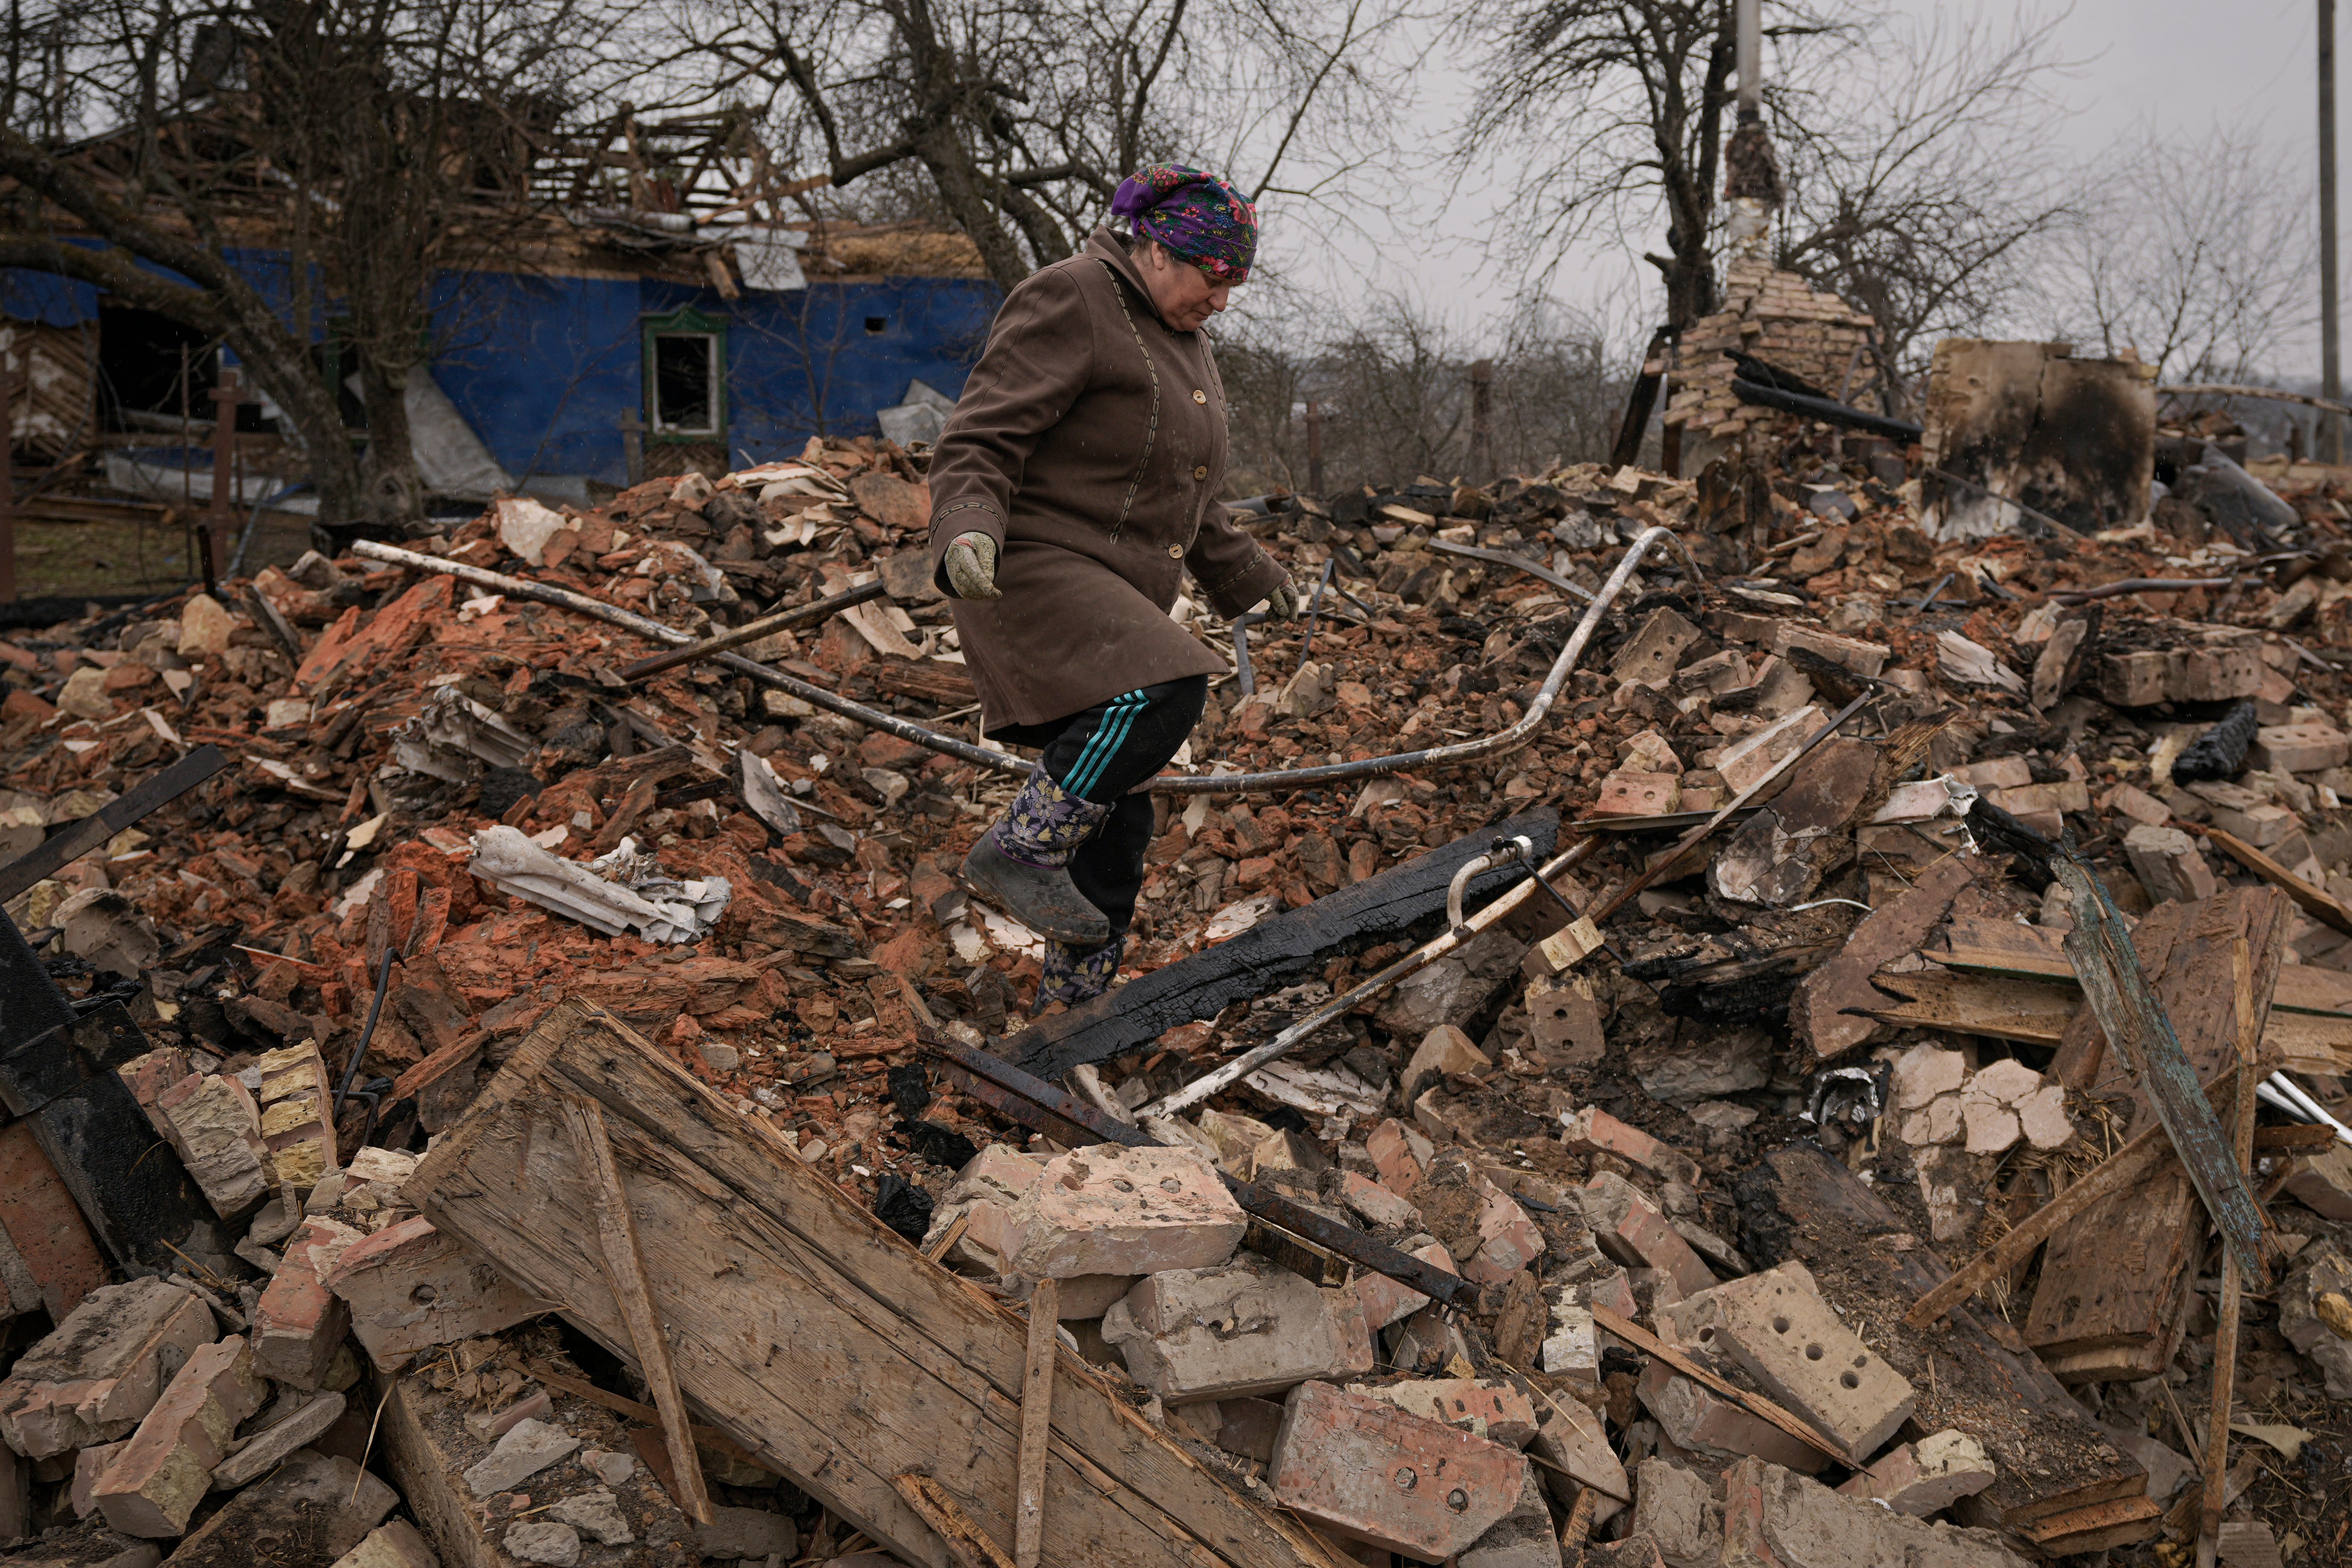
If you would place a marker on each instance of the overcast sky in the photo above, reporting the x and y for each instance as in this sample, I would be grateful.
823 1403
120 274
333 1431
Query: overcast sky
2174 65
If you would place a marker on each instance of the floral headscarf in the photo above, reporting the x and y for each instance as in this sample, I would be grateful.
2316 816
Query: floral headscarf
1195 214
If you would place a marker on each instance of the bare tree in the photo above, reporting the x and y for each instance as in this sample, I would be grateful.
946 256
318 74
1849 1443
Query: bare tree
1016 123
1923 189
2196 253
387 147
1395 391
1614 109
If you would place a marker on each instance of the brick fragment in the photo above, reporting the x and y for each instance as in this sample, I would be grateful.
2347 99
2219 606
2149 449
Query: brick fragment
1375 1204
1399 1154
266 1449
95 1376
1680 1513
1573 1440
299 1323
394 1546
1778 1327
1114 1210
408 1288
1443 1050
1594 1131
1365 1470
213 1121
1628 793
1245 1327
2169 865
1920 1479
1385 1302
1520 1539
1491 1406
1628 1228
1775 1519
1862 658
295 1096
2298 747
157 1478
1508 1239
2322 1183
1698 1418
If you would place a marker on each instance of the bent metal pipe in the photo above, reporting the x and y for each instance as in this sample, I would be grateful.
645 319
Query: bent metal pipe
1498 743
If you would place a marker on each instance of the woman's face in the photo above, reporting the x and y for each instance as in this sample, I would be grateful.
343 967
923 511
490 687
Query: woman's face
1181 292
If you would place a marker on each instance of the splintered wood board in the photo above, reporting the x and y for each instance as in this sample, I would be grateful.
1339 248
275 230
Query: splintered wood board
805 1329
2036 1013
2114 1281
2004 947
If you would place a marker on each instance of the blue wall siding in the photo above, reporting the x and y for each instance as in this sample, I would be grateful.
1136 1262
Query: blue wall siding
544 368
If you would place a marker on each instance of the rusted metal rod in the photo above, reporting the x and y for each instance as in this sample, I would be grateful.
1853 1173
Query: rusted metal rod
752 631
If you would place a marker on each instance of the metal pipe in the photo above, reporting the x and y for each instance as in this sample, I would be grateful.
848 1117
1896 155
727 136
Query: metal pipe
1497 743
1518 849
1504 558
1500 741
1411 963
1750 23
2288 1095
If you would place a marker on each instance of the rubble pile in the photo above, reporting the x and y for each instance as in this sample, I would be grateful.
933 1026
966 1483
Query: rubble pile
1698 1134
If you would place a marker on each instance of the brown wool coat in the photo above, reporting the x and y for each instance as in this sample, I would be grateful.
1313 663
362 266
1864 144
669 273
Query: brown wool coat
1090 445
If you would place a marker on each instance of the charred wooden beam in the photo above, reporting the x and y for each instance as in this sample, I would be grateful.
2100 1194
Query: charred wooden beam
1378 909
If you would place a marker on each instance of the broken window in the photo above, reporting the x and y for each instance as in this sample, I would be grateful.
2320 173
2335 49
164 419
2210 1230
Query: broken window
686 382
686 376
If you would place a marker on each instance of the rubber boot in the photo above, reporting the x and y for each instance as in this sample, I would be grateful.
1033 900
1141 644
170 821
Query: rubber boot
1022 863
1075 975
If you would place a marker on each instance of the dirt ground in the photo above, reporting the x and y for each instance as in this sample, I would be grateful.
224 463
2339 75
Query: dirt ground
99 558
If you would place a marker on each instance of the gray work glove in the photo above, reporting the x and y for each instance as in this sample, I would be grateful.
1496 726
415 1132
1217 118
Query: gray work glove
971 566
1283 603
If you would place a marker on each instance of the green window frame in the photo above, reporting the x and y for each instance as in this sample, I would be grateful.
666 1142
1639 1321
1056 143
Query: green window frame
666 338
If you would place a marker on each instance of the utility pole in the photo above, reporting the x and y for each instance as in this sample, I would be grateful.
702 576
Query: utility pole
1314 447
2331 377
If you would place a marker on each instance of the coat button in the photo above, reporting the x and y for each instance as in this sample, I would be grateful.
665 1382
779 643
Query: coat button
1201 472
1175 552
1198 397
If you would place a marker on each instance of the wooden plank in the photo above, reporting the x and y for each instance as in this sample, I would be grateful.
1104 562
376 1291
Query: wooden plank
1036 1420
2036 1013
1378 909
1998 1007
1970 1374
624 1275
2318 902
2122 1522
2115 1278
805 1329
2225 1330
2004 947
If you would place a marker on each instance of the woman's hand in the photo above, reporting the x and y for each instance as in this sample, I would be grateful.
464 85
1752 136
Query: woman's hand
971 566
1283 603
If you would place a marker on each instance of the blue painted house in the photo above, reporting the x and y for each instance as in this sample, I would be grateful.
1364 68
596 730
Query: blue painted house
608 366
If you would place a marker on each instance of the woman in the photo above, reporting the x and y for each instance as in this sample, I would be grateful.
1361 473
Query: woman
1073 487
